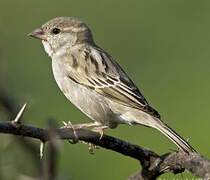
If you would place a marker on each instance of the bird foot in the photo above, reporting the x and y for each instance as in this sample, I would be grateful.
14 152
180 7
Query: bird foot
74 127
95 126
100 130
70 125
79 126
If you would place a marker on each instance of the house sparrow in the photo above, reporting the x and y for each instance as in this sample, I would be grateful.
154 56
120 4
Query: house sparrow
94 82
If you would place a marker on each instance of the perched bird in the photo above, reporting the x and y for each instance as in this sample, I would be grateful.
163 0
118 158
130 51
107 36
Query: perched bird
94 82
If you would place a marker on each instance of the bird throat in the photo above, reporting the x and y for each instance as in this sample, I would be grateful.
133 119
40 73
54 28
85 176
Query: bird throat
47 48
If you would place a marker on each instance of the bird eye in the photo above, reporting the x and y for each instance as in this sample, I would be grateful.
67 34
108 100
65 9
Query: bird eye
56 31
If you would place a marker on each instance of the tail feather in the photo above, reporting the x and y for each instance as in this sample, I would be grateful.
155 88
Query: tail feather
139 117
174 137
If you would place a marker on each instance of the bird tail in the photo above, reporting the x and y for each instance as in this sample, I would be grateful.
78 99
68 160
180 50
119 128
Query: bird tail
174 137
139 117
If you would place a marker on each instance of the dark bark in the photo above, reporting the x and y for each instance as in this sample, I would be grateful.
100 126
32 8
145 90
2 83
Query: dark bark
153 165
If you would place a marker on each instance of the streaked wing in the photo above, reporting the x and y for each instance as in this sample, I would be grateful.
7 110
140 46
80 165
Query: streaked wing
102 73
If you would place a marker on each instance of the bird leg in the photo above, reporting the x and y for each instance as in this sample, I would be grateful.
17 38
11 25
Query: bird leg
75 127
70 125
80 126
92 147
99 129
96 127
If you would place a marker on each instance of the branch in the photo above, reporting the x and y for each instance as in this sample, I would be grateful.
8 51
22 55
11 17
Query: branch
153 165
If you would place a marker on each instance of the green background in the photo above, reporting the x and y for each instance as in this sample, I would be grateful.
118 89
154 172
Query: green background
163 45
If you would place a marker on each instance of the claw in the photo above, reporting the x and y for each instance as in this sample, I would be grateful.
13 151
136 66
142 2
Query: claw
91 148
97 127
100 130
70 125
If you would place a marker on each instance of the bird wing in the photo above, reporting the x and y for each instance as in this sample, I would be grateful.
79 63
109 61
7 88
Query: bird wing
103 74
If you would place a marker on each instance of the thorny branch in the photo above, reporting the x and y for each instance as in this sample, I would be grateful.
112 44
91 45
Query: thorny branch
153 165
46 167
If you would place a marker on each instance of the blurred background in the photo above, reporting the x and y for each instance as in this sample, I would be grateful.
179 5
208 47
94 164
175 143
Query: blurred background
164 46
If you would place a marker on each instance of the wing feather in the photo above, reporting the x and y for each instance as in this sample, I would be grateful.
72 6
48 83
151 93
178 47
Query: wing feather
103 74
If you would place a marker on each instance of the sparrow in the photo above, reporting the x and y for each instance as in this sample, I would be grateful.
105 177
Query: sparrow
94 82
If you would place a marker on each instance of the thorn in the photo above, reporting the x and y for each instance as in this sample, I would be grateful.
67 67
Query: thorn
64 123
41 150
19 115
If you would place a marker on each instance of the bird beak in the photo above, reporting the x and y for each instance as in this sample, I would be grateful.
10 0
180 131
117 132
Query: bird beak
39 34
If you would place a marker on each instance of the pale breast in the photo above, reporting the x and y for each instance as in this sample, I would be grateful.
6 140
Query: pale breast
87 100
